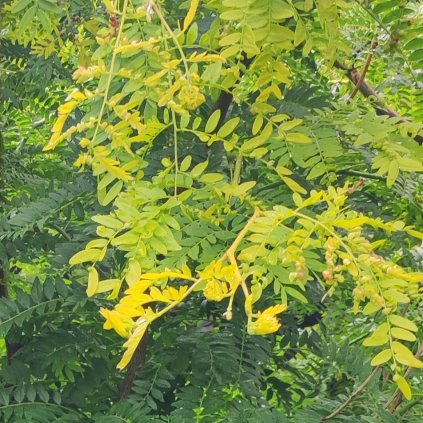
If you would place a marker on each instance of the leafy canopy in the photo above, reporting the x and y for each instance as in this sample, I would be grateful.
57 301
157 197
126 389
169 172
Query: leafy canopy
226 169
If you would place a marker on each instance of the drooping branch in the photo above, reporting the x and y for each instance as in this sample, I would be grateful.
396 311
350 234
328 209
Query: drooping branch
137 361
368 91
363 74
353 396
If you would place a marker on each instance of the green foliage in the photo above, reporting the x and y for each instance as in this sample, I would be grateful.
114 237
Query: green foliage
219 156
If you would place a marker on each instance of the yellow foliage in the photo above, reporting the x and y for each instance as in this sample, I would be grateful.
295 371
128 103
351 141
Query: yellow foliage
191 13
266 321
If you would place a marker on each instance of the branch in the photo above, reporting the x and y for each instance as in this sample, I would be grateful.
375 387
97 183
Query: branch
369 91
363 74
353 396
362 174
137 361
230 254
225 98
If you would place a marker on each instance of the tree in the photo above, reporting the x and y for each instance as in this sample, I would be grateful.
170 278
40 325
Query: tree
250 208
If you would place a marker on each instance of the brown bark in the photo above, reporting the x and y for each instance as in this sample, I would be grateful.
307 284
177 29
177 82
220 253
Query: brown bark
137 361
368 91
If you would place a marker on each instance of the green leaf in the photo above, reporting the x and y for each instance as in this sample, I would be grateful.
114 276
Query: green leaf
112 193
107 285
259 140
257 125
185 164
128 238
294 186
298 138
232 15
20 5
296 294
300 33
108 221
230 39
393 173
256 291
238 190
199 169
49 6
27 18
213 121
409 165
281 10
228 127
382 357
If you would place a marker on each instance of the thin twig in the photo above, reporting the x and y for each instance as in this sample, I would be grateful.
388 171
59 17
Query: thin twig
353 396
230 254
172 35
363 74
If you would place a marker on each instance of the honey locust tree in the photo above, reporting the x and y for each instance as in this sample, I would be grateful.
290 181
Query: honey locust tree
250 215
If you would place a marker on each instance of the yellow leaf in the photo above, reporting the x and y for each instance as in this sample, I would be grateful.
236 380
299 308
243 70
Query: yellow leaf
405 356
132 343
381 358
117 321
298 138
371 308
135 299
92 281
162 275
191 13
294 186
403 334
402 322
351 223
109 6
158 295
375 341
85 255
403 386
107 285
139 287
153 79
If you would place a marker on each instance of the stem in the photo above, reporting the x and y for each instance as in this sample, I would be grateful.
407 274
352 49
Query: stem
175 303
230 254
362 174
363 74
112 66
59 230
175 142
354 395
241 235
175 40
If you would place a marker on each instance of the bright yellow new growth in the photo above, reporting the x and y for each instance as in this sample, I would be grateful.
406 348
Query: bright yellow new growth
266 321
191 13
222 281
64 111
